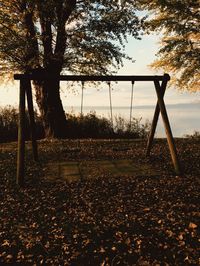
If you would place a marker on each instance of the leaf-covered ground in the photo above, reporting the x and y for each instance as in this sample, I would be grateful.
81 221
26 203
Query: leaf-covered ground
125 220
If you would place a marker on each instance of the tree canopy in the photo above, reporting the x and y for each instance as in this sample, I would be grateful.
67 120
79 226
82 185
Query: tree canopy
74 35
78 36
179 21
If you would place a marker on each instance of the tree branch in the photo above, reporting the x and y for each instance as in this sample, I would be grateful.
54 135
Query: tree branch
33 49
63 10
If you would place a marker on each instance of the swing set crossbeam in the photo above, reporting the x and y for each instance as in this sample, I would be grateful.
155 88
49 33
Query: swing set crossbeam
92 78
160 83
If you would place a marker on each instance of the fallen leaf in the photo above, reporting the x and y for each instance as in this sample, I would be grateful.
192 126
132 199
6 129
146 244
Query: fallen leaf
192 226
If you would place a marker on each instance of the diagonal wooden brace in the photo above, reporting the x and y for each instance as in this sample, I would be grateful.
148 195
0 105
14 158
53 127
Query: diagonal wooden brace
170 139
155 119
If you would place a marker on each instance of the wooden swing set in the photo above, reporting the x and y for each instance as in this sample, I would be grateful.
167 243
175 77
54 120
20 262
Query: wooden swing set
160 83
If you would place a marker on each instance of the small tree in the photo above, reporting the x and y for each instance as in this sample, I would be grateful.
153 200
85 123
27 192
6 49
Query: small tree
55 36
179 20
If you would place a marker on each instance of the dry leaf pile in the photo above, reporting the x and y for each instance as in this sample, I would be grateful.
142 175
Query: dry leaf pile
125 220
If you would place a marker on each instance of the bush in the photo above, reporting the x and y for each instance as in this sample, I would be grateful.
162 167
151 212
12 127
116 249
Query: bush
9 125
195 136
88 126
93 126
80 126
133 129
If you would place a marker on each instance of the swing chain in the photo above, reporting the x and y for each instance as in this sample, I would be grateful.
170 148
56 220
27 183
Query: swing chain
110 97
82 88
131 106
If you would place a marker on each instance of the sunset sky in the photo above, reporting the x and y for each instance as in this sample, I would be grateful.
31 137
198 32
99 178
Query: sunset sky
144 93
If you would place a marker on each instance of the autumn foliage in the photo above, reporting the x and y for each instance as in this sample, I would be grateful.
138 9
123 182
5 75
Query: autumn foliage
179 23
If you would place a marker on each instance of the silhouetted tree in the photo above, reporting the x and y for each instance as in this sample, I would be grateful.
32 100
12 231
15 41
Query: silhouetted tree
55 36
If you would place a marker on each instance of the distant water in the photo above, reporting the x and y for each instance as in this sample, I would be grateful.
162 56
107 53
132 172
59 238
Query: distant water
184 118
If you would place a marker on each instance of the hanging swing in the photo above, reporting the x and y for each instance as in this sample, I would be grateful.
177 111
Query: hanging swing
131 106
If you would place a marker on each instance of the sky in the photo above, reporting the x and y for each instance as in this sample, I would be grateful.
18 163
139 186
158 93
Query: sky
143 52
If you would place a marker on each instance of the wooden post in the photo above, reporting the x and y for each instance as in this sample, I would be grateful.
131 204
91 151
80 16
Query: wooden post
21 135
170 139
31 119
155 119
153 129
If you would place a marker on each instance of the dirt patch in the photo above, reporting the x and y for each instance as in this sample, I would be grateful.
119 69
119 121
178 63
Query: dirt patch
77 170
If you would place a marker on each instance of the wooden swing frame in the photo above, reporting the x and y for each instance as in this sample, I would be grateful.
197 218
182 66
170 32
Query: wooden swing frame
26 92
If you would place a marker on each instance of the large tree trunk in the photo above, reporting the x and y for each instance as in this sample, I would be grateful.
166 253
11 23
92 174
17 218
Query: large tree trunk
51 108
47 92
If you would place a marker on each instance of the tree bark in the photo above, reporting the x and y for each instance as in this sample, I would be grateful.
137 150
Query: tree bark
48 91
51 108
